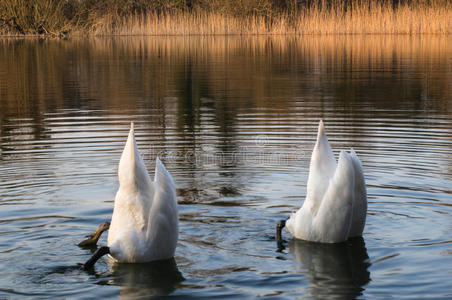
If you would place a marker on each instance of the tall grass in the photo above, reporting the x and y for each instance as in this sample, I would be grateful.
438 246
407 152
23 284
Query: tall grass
377 19
175 17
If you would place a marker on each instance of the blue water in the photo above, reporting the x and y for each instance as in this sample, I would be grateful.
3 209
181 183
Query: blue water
234 120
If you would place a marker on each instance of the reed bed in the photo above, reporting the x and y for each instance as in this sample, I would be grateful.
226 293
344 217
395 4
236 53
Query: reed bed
228 17
370 18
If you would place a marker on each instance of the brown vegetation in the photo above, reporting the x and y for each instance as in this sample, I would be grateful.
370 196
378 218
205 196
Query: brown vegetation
205 17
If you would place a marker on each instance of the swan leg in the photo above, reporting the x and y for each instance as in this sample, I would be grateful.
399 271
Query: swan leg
98 254
93 238
279 227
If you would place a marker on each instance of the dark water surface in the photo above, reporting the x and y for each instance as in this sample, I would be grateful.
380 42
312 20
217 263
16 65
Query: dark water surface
234 120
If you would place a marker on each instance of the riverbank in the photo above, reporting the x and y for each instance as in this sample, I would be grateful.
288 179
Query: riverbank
59 18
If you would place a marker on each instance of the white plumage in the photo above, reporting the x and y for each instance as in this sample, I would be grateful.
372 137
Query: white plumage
144 225
336 203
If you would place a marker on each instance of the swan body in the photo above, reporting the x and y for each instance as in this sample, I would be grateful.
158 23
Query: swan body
144 225
336 203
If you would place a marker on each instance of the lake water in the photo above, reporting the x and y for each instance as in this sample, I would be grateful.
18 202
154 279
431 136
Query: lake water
234 120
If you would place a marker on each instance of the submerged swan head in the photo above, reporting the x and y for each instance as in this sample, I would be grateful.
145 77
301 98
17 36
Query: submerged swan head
144 225
336 203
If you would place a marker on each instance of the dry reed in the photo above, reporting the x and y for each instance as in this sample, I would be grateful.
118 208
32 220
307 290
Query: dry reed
372 18
355 17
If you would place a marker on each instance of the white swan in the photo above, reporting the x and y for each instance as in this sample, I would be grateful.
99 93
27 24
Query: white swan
336 203
144 225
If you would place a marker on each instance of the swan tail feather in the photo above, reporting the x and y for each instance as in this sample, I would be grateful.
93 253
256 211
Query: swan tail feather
132 171
321 170
162 177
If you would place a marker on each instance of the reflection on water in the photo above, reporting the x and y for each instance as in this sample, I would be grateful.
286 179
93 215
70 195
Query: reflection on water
98 74
234 119
334 269
136 281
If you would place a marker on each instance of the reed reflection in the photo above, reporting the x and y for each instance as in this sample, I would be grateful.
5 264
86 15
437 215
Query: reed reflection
117 75
334 269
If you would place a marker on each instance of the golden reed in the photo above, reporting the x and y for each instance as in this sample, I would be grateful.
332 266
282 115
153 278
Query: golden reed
370 18
336 17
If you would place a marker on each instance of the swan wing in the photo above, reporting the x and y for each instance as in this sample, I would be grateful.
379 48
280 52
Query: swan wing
134 197
333 219
163 221
321 171
360 202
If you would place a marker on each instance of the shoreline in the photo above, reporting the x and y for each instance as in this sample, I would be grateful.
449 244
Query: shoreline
218 35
